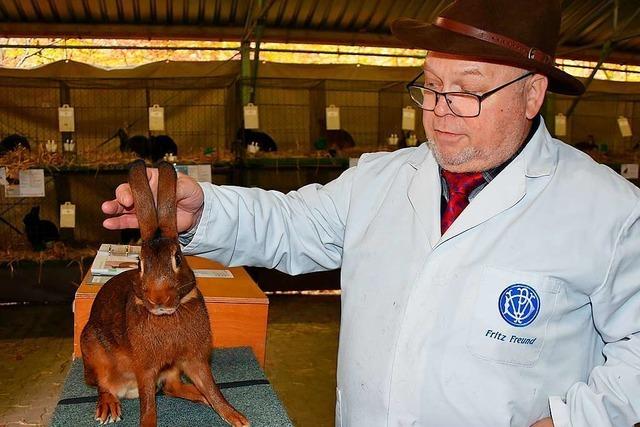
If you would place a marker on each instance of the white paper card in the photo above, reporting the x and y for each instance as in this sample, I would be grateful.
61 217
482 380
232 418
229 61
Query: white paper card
630 170
201 173
66 121
333 117
561 124
625 128
251 116
67 215
213 274
408 118
99 280
31 184
156 118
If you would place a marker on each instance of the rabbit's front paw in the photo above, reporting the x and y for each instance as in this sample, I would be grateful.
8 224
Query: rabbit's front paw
108 409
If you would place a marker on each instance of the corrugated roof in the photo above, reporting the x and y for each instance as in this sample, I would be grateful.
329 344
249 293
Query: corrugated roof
587 24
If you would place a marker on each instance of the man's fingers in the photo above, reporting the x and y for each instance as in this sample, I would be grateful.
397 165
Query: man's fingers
124 196
120 222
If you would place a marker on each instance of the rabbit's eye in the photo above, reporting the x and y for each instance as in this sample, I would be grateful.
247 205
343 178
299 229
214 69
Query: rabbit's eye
178 260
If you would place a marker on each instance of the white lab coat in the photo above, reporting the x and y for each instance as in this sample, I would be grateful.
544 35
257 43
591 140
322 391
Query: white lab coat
422 339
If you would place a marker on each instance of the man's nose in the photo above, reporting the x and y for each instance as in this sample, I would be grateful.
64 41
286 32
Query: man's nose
442 106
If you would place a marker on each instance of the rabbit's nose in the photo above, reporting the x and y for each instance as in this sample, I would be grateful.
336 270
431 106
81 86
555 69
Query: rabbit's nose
159 301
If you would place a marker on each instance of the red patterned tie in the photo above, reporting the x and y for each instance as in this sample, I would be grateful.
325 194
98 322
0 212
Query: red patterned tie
460 186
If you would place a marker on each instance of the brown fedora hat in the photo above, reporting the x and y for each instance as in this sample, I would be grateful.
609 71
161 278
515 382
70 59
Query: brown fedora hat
521 33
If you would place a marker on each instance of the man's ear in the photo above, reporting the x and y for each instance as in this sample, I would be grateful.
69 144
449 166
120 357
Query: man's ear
535 91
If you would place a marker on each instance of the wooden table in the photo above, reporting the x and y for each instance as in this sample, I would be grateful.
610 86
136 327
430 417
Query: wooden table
237 308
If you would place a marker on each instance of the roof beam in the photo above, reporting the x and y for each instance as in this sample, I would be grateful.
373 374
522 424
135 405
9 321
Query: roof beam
183 32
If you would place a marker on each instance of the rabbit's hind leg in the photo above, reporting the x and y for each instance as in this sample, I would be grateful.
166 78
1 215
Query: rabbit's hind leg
173 386
200 374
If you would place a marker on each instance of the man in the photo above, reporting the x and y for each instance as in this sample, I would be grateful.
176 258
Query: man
519 309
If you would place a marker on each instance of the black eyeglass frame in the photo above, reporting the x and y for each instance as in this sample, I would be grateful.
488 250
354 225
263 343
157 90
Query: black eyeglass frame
445 94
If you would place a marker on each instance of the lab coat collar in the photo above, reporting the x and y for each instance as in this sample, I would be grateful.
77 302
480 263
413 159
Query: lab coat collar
537 159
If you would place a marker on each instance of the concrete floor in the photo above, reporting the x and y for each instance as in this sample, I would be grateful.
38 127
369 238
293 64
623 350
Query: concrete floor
36 346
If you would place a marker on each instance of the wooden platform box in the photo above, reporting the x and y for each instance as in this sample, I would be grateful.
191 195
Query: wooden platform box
237 308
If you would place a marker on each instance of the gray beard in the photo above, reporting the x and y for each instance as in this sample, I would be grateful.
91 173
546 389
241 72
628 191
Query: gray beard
460 158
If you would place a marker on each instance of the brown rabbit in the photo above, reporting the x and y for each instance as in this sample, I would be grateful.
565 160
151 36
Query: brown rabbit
150 325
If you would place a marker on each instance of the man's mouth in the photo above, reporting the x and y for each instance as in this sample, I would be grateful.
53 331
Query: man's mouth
446 133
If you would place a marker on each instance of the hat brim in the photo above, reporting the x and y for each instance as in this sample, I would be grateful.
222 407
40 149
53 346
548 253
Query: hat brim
423 35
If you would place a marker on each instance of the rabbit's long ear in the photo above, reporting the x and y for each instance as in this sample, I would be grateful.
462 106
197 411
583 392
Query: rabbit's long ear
143 199
167 209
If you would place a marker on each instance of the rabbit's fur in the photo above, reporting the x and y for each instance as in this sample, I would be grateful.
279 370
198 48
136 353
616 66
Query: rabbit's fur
150 325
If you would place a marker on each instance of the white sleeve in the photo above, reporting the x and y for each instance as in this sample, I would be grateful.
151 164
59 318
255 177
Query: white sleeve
612 395
298 232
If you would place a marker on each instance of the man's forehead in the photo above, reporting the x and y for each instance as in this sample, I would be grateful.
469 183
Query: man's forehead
438 64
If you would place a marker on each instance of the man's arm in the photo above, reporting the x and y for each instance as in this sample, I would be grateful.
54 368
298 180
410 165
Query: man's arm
298 232
612 395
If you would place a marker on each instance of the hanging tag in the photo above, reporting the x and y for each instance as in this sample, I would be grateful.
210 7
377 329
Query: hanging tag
66 121
561 124
623 124
630 170
409 118
333 117
156 118
251 116
67 215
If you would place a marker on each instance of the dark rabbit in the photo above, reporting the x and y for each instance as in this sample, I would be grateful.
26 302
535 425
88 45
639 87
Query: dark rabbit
153 148
12 142
39 232
159 145
339 139
264 141
149 326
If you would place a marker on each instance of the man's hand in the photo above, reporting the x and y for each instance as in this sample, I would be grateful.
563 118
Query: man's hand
545 422
189 198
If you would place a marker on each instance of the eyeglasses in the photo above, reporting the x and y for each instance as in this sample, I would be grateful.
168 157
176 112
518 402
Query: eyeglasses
462 104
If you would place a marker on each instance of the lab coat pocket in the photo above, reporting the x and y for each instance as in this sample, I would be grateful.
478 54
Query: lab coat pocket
509 315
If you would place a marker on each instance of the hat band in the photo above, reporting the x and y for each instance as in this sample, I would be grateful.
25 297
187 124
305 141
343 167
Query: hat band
496 39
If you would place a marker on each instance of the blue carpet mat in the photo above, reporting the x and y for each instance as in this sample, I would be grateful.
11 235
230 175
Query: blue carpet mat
236 371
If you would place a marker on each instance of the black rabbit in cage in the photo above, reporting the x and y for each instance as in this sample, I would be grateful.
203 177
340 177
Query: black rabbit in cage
264 141
153 148
13 141
39 232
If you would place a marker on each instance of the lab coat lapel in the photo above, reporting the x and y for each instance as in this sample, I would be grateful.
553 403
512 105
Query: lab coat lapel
424 195
538 159
503 192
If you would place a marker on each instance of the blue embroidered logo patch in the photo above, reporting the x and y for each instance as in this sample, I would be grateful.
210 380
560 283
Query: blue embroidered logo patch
519 305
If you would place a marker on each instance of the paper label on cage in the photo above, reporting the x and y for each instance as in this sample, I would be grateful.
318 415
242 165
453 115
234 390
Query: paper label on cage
67 215
333 117
251 116
561 125
625 128
630 170
408 118
66 121
156 118
30 184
